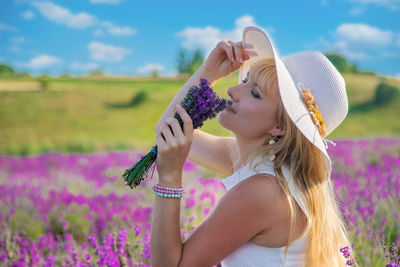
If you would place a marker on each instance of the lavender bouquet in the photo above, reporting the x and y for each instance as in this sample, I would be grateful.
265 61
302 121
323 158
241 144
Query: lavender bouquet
201 103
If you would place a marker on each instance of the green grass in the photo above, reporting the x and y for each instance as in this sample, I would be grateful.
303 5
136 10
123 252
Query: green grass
92 114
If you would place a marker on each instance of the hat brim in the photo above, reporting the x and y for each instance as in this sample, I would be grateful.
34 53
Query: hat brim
290 93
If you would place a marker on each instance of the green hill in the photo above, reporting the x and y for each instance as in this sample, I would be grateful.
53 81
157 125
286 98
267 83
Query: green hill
86 114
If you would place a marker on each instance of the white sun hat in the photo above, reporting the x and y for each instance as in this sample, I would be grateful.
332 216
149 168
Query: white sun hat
296 72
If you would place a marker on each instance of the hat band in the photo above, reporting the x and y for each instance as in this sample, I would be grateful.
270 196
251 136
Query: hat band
313 109
315 113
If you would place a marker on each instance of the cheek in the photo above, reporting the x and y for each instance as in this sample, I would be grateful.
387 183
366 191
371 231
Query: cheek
260 120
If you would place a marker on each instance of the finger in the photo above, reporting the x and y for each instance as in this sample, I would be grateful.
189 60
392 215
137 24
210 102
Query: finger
187 121
160 141
169 137
228 49
247 54
247 45
250 52
177 130
233 61
237 51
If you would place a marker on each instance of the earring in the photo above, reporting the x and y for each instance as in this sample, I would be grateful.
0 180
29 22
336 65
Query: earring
271 154
271 141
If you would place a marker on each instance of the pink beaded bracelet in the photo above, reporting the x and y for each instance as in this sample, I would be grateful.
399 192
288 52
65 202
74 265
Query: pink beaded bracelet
168 191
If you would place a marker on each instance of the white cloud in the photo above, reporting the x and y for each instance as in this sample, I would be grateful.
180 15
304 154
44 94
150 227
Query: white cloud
337 46
121 30
28 15
41 61
207 37
172 73
103 52
392 5
104 1
112 29
5 27
63 16
98 33
83 67
356 41
14 49
355 11
17 40
200 37
353 55
389 54
150 67
363 35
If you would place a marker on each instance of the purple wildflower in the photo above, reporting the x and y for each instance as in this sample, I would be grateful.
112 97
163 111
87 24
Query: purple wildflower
201 103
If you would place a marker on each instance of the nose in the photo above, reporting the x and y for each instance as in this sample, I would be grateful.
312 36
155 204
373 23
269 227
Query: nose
232 93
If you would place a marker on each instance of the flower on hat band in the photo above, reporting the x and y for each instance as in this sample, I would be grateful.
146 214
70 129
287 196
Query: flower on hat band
313 109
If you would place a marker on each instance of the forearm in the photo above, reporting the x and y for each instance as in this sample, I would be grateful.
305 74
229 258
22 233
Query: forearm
165 237
193 80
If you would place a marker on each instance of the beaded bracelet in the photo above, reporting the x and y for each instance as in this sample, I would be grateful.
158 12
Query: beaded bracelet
168 191
168 195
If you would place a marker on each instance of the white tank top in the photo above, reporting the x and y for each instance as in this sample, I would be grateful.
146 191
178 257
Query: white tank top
254 255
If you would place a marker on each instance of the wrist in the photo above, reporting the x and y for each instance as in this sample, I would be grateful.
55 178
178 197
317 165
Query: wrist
173 181
208 75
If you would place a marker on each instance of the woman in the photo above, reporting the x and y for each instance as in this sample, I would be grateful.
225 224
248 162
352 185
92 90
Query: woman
279 207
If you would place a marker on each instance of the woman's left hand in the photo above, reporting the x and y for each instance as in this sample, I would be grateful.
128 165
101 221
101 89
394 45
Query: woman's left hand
173 146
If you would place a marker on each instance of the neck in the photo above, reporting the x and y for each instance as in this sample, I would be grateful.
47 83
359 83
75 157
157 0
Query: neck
247 147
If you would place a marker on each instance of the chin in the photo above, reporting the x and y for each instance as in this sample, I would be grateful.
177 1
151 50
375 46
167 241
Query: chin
222 121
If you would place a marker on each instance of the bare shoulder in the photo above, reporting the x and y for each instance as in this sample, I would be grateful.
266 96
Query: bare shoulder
263 188
261 193
242 213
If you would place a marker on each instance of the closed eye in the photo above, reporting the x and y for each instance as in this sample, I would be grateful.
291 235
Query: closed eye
255 94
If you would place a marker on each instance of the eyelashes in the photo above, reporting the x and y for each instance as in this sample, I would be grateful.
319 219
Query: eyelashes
254 94
252 91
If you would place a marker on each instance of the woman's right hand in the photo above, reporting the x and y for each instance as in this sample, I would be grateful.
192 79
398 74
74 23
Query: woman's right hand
226 58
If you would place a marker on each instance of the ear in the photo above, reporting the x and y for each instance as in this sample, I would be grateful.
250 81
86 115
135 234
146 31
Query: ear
277 130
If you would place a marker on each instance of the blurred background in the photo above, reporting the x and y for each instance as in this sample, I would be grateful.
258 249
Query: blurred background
97 74
84 82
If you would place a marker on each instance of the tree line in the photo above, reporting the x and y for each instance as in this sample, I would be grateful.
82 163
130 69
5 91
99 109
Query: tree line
189 61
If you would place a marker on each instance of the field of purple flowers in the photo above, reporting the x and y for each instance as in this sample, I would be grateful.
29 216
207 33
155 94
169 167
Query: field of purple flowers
73 209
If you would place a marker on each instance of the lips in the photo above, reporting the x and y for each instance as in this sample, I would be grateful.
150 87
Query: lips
229 108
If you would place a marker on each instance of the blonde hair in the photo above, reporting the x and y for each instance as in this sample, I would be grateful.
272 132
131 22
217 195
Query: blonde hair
326 230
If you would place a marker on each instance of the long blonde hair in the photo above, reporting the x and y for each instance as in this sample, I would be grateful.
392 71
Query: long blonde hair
326 230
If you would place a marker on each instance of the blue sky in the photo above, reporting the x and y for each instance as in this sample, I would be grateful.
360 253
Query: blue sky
126 37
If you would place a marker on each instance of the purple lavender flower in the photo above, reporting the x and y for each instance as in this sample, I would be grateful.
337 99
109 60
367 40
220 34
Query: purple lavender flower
201 103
